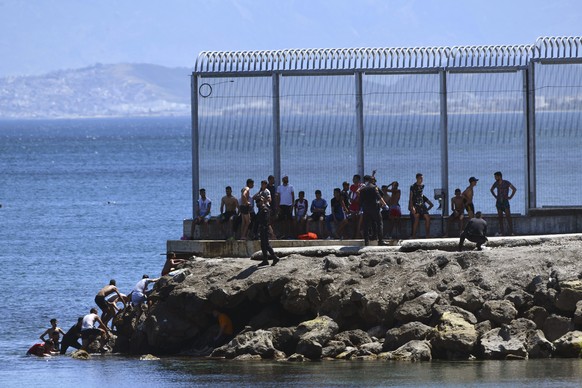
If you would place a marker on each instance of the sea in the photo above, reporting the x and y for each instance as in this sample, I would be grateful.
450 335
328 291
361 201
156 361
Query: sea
89 200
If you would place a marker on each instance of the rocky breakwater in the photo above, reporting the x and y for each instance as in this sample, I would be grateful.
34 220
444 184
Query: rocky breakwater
374 303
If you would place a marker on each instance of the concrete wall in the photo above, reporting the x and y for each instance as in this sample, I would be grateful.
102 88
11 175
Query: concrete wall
538 222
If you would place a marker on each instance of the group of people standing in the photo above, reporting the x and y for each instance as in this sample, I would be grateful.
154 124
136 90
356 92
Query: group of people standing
347 204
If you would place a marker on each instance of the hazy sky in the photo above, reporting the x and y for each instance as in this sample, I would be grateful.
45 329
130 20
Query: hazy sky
38 36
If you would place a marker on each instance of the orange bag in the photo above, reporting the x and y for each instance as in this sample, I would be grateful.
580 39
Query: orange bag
308 236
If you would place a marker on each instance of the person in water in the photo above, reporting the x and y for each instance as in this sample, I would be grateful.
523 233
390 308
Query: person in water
54 332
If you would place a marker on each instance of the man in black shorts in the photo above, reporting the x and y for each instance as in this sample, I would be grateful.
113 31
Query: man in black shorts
475 231
370 198
108 311
417 206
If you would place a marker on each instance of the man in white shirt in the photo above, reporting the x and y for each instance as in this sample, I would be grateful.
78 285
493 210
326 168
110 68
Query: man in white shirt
203 207
285 199
89 332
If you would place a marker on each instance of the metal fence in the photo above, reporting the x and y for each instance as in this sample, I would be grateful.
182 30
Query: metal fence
320 116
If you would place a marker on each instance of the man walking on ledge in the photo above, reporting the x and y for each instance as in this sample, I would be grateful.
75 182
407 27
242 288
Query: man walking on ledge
475 231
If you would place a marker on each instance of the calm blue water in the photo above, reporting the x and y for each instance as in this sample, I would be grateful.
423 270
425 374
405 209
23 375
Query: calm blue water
85 201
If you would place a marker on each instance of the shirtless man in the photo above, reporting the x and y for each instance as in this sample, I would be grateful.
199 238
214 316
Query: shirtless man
228 208
395 213
53 333
244 209
106 307
500 190
468 197
171 263
458 211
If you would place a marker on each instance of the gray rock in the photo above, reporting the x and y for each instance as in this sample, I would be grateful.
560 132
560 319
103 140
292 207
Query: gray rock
284 339
371 348
411 351
520 339
377 331
333 349
571 293
321 330
470 300
520 299
258 342
498 344
410 331
498 311
556 326
439 310
353 337
538 315
310 348
569 345
578 314
348 353
418 309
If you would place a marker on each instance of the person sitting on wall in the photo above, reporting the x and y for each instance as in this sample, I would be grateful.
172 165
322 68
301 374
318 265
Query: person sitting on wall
203 207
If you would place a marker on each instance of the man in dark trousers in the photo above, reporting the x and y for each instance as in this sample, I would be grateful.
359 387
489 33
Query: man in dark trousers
370 200
263 199
475 231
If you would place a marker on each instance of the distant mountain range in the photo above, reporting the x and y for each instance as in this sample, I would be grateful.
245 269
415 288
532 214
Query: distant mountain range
121 90
133 90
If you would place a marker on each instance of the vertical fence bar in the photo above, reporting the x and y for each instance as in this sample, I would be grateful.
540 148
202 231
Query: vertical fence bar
195 143
530 137
276 128
359 123
444 129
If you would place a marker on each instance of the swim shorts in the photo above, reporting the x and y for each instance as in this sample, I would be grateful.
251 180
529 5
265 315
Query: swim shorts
502 204
100 301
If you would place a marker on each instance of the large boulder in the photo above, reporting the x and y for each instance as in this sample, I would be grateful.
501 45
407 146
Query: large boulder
398 336
538 315
258 342
569 295
569 345
498 311
520 339
556 326
418 309
355 338
577 320
333 349
455 337
470 300
411 351
314 334
498 344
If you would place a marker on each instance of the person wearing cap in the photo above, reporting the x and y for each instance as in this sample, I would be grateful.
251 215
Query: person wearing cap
285 200
475 231
468 197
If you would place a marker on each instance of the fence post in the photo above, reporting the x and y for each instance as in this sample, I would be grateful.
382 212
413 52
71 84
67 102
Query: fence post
359 123
195 143
530 137
444 127
276 129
